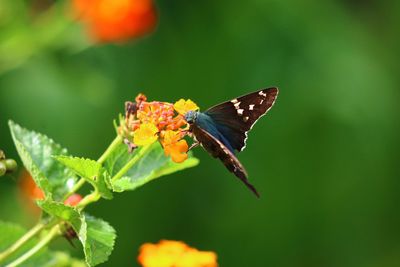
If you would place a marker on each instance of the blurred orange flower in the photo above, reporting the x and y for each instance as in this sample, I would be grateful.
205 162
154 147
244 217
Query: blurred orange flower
116 20
29 192
175 254
29 187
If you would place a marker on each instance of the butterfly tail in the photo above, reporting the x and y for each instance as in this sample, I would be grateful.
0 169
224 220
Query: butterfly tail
243 177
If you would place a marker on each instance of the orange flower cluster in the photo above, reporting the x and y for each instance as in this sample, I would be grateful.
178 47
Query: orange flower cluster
29 188
147 122
29 192
175 254
116 20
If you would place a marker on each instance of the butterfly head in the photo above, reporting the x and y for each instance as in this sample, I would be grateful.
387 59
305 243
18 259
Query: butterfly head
191 116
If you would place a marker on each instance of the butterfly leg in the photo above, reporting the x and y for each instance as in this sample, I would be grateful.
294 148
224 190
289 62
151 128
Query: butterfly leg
187 132
195 144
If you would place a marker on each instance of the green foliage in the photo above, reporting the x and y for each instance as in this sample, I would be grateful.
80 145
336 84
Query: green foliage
61 211
150 166
36 151
47 258
97 236
55 172
91 171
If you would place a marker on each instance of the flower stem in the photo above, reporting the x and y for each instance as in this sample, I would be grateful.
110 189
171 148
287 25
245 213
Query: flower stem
110 149
130 163
93 197
20 242
42 243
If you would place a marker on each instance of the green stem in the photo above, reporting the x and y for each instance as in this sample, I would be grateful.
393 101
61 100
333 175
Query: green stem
110 149
130 163
93 197
42 243
20 242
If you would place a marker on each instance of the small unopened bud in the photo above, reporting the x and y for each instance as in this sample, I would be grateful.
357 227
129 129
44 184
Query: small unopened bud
3 168
11 165
73 200
140 98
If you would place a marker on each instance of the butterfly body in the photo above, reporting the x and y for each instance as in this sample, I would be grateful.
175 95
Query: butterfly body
206 123
222 129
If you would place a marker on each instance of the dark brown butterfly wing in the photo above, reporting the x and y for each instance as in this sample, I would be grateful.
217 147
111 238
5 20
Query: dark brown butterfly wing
218 150
236 117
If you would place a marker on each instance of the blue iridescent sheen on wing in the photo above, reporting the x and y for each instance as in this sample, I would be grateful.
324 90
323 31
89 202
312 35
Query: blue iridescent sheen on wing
205 122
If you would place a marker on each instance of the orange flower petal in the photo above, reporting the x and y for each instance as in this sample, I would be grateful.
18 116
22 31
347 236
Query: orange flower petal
171 137
175 147
177 151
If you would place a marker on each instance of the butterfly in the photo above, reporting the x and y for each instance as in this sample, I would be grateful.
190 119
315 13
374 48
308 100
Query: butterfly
222 129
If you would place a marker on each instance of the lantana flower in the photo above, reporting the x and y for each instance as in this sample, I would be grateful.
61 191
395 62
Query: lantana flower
116 20
145 122
175 254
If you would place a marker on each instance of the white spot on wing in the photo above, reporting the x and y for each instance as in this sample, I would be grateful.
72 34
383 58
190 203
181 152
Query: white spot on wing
262 93
234 101
245 119
240 111
262 100
251 107
237 105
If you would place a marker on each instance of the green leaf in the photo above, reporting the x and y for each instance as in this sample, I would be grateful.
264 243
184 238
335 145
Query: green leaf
11 233
61 211
36 152
97 236
152 165
90 170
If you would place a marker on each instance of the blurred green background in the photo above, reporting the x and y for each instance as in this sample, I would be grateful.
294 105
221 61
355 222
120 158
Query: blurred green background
325 159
